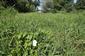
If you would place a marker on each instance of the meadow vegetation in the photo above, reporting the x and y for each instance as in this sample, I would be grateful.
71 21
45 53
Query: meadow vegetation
57 34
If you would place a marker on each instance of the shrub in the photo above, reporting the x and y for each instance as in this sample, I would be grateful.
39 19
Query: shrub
68 5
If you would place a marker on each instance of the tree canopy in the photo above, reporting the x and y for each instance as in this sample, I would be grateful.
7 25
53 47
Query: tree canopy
28 5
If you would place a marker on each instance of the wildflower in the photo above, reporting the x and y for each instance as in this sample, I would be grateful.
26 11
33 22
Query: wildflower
34 43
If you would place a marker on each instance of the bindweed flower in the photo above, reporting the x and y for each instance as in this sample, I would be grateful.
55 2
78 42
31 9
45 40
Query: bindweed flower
34 43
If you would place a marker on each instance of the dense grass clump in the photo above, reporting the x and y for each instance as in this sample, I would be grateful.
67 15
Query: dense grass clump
60 34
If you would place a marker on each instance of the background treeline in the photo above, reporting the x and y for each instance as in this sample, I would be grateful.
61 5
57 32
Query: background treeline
69 5
29 6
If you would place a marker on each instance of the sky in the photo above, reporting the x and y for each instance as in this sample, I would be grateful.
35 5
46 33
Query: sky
75 1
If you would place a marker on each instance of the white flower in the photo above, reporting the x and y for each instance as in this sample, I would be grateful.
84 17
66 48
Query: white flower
34 43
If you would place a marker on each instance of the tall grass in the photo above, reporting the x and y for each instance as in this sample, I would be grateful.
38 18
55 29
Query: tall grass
59 34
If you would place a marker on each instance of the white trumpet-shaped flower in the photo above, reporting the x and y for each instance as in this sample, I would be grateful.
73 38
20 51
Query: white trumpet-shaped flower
34 43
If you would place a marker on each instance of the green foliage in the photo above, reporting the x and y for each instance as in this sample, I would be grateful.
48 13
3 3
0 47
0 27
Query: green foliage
68 5
50 5
60 34
81 4
20 5
7 12
23 44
